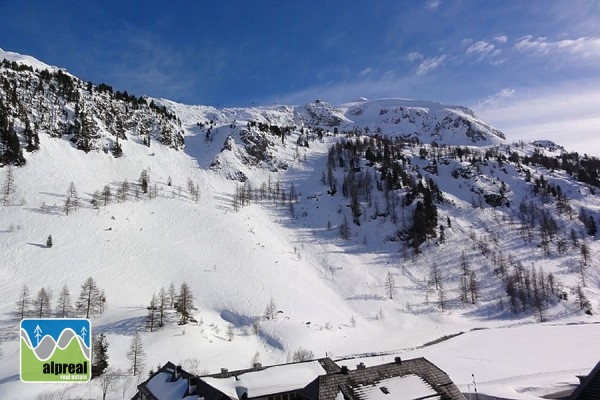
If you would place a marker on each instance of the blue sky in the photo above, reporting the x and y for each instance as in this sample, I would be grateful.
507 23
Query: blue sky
529 67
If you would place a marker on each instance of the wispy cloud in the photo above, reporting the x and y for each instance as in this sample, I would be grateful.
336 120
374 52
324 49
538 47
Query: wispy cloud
433 4
426 64
482 49
497 98
366 72
501 39
565 114
584 47
429 64
415 56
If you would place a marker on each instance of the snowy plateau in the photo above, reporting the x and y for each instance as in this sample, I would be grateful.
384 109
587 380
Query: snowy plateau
363 231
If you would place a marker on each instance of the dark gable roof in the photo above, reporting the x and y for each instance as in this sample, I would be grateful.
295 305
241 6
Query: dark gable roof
589 389
170 368
328 386
335 380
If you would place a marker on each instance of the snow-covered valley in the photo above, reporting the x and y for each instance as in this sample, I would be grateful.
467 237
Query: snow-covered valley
367 289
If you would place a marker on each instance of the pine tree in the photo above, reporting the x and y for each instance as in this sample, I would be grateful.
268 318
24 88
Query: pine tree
24 303
584 303
144 180
99 354
345 231
106 194
90 301
49 241
474 287
172 295
270 310
435 276
64 309
152 309
442 297
583 265
136 355
185 302
162 301
390 285
9 187
72 196
41 304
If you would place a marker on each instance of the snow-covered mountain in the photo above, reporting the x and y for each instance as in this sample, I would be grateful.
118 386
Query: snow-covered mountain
371 227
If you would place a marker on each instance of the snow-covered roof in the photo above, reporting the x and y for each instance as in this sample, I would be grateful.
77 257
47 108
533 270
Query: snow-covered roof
319 379
400 388
276 379
162 386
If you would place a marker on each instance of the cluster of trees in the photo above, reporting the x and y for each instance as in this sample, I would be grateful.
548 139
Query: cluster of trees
91 302
123 192
8 186
268 191
34 101
100 365
530 290
181 301
588 221
273 129
583 168
398 184
10 146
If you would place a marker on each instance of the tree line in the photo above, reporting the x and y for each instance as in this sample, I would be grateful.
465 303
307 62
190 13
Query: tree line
90 302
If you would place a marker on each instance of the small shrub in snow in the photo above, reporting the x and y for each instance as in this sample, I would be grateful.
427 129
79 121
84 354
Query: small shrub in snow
302 355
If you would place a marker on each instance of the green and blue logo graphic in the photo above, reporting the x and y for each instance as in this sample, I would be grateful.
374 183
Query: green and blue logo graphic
56 350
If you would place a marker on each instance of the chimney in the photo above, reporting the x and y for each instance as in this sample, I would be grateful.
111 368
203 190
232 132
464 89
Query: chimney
398 360
224 370
257 365
177 373
361 366
344 370
192 385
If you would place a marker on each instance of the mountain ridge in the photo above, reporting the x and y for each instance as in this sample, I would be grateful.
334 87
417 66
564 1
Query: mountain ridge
258 204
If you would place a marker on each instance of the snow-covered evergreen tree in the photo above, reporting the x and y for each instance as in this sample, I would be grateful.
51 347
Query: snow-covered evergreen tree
136 355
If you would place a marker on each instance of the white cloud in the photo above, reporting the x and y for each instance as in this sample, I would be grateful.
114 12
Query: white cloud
365 72
498 97
584 47
415 56
565 114
433 4
429 64
501 39
465 42
483 50
481 47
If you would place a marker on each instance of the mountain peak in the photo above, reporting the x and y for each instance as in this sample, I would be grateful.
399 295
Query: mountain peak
27 60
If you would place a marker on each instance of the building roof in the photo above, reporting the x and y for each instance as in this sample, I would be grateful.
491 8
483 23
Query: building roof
589 389
421 376
280 379
169 382
320 379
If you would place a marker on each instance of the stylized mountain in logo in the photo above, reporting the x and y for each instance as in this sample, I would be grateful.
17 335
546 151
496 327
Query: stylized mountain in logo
46 347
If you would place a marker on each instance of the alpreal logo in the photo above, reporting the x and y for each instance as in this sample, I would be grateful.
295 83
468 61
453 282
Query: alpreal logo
55 350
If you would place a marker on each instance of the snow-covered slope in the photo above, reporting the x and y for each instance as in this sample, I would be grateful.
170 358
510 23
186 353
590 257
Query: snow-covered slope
26 60
422 121
237 252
